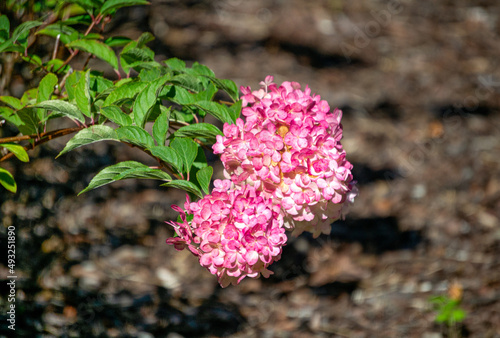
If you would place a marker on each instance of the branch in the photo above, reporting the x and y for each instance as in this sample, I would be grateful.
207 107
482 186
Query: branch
39 139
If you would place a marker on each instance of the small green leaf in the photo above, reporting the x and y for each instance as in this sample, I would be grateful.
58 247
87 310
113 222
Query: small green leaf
115 114
187 148
82 94
147 99
46 87
99 49
204 176
90 135
160 127
220 111
126 91
199 130
458 315
135 135
184 185
14 102
17 150
168 155
63 107
144 38
117 41
112 5
7 180
83 19
124 170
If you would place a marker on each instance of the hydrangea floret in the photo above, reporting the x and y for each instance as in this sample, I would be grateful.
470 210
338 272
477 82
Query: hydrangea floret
289 148
235 232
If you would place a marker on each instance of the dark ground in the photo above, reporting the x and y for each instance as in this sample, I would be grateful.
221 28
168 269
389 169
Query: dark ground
420 93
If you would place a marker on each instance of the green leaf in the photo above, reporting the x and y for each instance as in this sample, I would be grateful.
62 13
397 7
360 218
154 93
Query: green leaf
143 39
168 155
7 180
235 110
124 170
66 33
56 65
226 85
83 19
135 135
4 27
29 96
99 49
9 115
99 87
8 46
458 315
90 135
115 114
137 55
181 96
204 176
144 173
17 150
63 107
220 111
33 59
30 120
82 94
184 185
200 161
187 149
147 99
199 130
112 5
24 28
175 64
71 82
127 91
202 70
117 41
14 102
187 81
46 87
160 127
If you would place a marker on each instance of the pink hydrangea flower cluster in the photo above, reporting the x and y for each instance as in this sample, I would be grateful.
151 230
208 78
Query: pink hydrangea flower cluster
235 232
285 168
289 148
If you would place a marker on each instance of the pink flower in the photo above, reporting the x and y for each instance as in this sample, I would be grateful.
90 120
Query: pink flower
236 232
288 148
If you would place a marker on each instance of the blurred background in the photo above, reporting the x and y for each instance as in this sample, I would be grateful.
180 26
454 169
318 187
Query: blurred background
419 84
